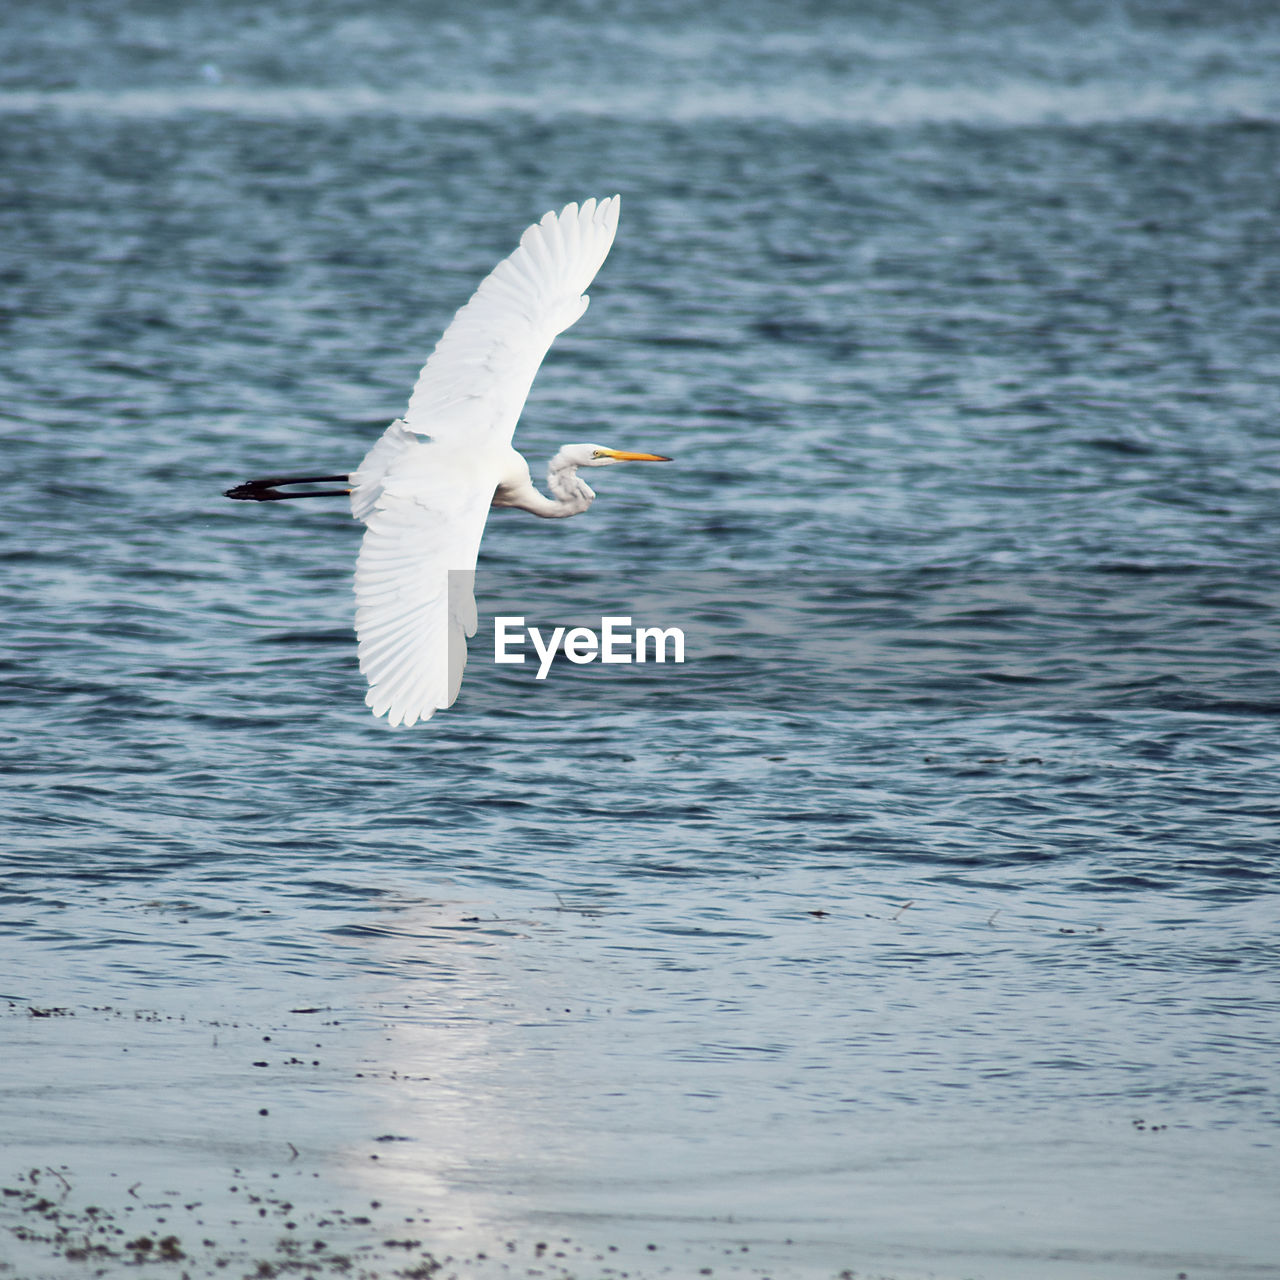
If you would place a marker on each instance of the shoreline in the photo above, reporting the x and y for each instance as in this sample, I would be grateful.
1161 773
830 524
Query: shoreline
219 1150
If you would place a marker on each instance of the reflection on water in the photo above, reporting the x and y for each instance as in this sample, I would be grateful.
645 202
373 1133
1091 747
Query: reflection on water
500 1066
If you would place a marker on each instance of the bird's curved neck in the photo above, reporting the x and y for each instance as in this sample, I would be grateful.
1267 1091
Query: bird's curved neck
571 494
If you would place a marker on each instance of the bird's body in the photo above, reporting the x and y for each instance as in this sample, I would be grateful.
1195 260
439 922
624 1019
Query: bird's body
425 488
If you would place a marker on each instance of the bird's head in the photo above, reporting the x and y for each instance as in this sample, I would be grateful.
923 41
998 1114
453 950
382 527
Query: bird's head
597 455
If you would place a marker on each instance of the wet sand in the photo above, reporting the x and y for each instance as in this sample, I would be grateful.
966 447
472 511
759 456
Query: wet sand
193 1146
225 1147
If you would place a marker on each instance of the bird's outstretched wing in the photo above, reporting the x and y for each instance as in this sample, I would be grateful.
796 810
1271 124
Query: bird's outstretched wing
414 602
474 385
425 502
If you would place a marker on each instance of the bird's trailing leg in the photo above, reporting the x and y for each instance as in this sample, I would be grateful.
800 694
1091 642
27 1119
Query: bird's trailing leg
268 488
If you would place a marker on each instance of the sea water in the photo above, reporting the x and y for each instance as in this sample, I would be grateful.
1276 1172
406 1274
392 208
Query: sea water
923 922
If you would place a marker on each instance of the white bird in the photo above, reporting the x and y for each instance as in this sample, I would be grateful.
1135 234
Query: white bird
425 488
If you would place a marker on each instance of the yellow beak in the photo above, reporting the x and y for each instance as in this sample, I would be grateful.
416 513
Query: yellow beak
620 455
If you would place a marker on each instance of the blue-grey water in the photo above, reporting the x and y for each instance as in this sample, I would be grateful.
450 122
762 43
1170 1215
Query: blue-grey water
924 922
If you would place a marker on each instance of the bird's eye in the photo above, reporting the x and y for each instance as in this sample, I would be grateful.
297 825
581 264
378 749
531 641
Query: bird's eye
597 453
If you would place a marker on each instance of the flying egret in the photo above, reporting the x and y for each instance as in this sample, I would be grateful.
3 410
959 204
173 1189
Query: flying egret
425 488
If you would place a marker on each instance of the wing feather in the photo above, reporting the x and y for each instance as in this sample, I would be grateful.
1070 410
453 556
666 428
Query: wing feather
414 604
475 383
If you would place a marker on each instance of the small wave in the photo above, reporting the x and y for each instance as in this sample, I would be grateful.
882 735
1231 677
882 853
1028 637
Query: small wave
1013 103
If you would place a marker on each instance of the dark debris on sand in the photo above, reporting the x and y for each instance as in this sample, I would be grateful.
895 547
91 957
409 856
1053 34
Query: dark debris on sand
41 1212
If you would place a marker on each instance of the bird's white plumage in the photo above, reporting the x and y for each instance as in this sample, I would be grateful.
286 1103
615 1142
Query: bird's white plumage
476 380
425 488
414 606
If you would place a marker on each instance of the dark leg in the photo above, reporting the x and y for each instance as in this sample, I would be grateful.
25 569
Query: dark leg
266 490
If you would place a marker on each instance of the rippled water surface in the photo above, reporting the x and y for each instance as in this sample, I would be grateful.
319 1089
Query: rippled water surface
923 922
